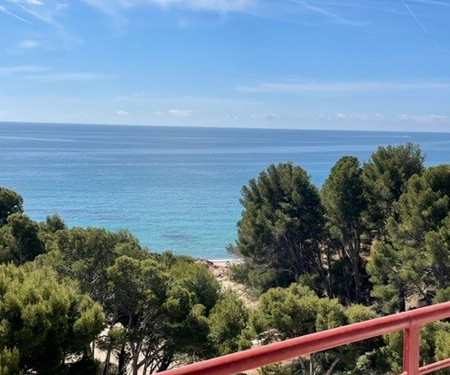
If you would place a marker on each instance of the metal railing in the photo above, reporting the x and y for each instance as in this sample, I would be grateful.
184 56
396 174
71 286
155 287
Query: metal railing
409 321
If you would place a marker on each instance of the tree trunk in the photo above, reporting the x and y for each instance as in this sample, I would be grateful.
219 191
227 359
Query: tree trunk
107 362
401 299
355 263
330 279
123 360
330 370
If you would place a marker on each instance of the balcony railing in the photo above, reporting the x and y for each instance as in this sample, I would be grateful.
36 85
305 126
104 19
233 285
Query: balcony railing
409 321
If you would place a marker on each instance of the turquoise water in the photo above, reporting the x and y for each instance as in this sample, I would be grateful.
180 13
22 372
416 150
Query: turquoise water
174 188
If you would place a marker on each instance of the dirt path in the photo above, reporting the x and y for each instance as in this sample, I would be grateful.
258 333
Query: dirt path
220 269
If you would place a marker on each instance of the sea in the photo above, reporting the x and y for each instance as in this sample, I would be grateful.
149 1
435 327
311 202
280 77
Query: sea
175 188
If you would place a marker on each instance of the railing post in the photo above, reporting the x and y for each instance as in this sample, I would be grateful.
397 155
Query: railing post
411 349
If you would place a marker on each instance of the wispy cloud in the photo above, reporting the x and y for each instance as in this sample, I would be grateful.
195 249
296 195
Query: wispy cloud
45 12
36 9
180 112
65 76
45 74
205 5
21 69
418 21
371 117
311 87
354 117
12 14
122 113
424 118
28 44
322 10
431 2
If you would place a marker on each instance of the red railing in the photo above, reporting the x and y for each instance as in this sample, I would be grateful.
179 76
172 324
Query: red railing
409 321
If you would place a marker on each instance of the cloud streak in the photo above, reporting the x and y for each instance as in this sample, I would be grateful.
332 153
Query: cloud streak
64 76
338 87
415 17
327 13
44 74
180 112
28 44
21 69
221 6
9 13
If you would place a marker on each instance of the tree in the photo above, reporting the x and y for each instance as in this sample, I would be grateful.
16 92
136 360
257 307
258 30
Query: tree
285 313
43 321
156 306
85 254
138 289
10 202
228 324
281 225
163 312
385 175
19 240
414 259
345 203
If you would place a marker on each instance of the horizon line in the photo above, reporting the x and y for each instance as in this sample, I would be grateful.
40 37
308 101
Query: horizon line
219 127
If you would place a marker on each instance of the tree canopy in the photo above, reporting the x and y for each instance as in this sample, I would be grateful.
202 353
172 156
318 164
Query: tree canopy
345 204
10 202
414 259
386 175
281 225
19 239
43 321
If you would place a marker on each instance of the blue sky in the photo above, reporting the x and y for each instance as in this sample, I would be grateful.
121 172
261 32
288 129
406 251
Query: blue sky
324 64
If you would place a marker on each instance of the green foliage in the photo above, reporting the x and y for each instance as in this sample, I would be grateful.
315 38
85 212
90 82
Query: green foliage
281 224
442 343
163 304
43 321
414 259
197 279
385 176
9 362
442 295
53 223
359 313
285 313
290 312
343 198
10 202
85 254
228 323
345 204
19 240
424 206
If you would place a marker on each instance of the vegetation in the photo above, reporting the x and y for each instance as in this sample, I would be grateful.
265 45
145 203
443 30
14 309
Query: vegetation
381 237
281 226
375 239
345 204
43 322
66 293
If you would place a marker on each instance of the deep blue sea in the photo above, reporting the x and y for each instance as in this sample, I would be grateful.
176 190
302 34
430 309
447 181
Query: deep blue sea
175 188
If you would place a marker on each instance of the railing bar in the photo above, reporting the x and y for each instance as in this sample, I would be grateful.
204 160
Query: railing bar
411 349
434 366
314 342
